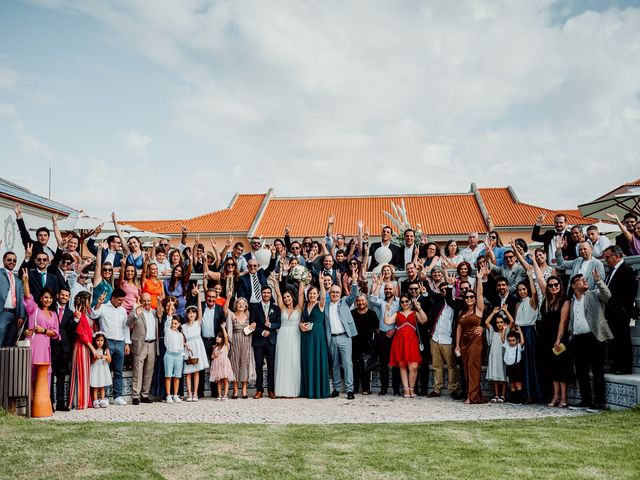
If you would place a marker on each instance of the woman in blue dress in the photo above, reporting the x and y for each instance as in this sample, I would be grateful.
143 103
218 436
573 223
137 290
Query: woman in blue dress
177 286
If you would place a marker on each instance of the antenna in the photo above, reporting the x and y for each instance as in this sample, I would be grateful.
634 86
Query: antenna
49 179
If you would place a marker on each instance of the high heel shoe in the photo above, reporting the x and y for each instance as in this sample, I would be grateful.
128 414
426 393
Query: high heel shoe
412 393
407 395
554 402
563 403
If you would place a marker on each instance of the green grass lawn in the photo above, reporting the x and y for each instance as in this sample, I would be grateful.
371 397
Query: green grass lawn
595 446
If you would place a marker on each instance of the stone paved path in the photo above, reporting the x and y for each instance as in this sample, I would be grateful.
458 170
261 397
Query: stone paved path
364 409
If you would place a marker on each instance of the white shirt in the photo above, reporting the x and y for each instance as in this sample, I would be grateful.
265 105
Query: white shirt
163 266
9 301
599 247
110 258
150 323
512 355
552 246
471 256
173 340
584 267
334 319
444 327
580 324
208 321
113 322
408 255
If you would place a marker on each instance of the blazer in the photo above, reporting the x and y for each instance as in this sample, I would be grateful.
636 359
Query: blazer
569 252
67 328
344 310
91 245
139 331
256 313
4 291
594 302
218 316
623 287
573 267
37 246
372 253
398 259
244 281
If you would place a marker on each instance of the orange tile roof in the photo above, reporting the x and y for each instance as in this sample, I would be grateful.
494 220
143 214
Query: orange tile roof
505 212
149 225
437 214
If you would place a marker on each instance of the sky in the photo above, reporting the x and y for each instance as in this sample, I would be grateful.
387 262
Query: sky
162 109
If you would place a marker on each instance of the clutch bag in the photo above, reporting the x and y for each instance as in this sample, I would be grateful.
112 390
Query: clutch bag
247 330
561 348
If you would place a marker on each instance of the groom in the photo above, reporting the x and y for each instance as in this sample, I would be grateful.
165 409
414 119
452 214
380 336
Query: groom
266 315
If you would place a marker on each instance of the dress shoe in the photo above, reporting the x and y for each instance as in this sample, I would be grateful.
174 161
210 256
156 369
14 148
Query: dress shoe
272 396
146 400
433 394
382 392
335 394
397 392
456 395
62 408
136 401
595 408
258 395
350 396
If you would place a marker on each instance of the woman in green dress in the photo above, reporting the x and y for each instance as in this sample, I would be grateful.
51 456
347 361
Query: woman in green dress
313 346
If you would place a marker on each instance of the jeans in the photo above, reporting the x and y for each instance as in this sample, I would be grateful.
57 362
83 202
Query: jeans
116 347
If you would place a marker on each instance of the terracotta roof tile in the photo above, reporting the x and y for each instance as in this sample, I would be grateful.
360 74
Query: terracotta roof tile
437 214
505 212
149 225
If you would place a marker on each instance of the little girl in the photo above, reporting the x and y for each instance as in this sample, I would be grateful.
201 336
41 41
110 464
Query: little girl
192 333
221 370
173 358
495 339
513 348
99 373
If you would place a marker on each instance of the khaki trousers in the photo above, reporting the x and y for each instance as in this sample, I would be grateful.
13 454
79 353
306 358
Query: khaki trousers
440 355
143 363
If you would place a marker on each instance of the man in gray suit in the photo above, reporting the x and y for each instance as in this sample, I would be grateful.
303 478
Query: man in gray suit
144 325
12 312
589 330
340 328
584 265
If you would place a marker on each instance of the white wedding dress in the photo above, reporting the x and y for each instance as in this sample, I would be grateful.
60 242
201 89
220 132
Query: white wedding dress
288 366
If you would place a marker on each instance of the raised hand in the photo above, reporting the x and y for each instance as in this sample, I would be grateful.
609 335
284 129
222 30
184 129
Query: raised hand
98 229
113 217
103 245
332 219
18 209
229 242
540 219
287 229
28 251
496 310
596 276
360 224
560 242
183 229
213 243
613 216
25 275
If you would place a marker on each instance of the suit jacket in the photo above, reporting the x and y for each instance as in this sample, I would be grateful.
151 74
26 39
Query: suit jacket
594 302
372 252
623 287
139 331
569 252
257 315
91 245
218 316
398 260
512 303
344 310
67 329
573 267
55 281
4 291
37 246
244 281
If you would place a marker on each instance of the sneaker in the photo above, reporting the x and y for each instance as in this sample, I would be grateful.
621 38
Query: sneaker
494 400
500 399
119 401
595 408
176 399
104 403
189 399
169 399
194 399
224 399
96 404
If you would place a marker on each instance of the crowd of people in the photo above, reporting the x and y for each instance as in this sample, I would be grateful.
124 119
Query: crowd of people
322 315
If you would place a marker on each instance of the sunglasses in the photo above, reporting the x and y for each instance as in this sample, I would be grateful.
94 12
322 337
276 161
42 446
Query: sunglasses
307 244
553 285
405 301
41 259
107 269
467 297
252 266
413 288
10 260
230 265
509 257
295 248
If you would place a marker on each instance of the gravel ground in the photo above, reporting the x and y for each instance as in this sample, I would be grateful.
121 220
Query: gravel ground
364 409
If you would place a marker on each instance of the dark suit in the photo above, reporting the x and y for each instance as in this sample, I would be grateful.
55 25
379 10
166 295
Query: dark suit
372 252
54 281
618 312
265 346
399 260
61 353
37 246
117 260
568 253
9 317
244 282
209 343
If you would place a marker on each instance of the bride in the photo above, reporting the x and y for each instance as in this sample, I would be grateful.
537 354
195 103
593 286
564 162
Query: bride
288 367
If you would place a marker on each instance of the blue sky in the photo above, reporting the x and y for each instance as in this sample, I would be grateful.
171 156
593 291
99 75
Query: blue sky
161 109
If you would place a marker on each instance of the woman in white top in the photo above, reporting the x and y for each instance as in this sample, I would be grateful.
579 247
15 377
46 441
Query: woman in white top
526 316
288 367
451 255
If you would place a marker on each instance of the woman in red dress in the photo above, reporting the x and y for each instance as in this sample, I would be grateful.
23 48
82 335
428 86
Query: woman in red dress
79 389
469 341
405 349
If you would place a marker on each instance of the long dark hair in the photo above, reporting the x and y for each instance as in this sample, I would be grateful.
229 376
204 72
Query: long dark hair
50 292
172 280
552 302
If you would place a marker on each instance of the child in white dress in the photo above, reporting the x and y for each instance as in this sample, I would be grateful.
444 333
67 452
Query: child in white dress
195 347
221 370
496 371
100 376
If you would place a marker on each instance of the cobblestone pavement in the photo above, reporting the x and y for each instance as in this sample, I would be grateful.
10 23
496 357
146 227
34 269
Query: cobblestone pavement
364 409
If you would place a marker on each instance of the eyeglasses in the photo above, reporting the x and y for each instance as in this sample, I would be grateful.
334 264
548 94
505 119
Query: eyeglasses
405 301
107 269
413 288
509 257
553 285
295 248
40 259
230 265
493 237
467 297
11 260
252 266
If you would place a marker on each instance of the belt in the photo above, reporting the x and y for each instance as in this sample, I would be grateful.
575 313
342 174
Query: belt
208 338
149 341
338 334
9 310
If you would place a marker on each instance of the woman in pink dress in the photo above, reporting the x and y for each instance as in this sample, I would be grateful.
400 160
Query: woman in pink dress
79 387
42 326
129 283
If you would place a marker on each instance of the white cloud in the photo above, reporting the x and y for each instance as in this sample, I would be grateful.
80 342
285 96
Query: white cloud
399 96
7 110
136 142
30 144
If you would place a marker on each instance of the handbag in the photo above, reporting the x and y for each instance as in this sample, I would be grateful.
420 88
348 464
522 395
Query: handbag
420 344
371 361
191 360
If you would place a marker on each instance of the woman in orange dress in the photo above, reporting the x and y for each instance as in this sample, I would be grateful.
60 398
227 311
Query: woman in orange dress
469 341
151 284
405 349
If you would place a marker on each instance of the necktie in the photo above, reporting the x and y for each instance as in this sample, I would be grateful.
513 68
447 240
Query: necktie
12 287
608 277
265 307
43 278
60 312
256 285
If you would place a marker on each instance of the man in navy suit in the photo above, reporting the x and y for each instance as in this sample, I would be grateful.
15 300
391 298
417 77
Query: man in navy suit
113 254
250 284
549 238
62 348
256 244
266 316
47 275
12 312
212 319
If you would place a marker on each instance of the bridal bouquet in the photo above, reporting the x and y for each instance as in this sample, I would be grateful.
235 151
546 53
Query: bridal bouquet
299 273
